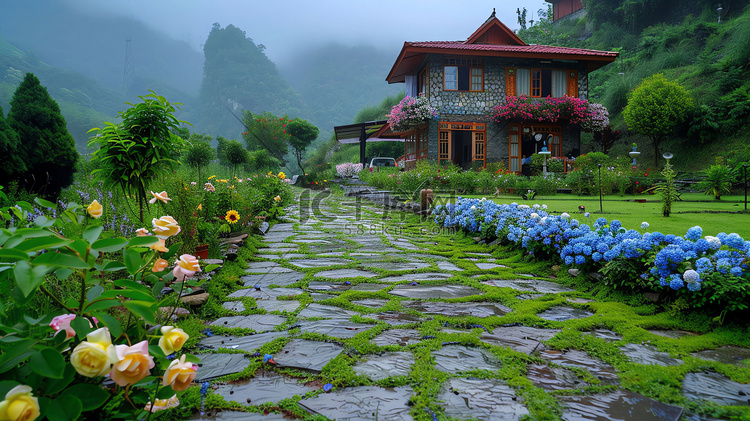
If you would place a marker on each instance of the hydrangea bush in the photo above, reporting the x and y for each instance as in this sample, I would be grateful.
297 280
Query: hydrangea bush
705 270
411 112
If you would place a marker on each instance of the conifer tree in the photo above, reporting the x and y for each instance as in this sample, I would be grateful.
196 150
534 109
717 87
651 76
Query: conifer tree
46 146
11 164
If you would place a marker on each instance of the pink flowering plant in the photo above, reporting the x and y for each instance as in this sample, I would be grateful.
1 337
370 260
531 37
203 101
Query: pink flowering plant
410 113
592 117
90 351
348 169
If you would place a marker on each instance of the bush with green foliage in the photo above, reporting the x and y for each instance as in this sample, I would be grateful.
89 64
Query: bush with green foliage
718 180
11 164
199 154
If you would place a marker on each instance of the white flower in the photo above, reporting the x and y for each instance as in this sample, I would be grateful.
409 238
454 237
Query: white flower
544 207
713 242
565 215
644 225
473 208
523 206
534 216
536 206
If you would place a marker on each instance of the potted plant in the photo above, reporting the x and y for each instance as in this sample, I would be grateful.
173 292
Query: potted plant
206 235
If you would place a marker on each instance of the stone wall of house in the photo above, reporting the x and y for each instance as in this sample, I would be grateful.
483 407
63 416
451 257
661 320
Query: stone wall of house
478 106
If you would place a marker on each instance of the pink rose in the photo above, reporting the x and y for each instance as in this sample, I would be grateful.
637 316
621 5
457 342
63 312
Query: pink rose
63 323
186 266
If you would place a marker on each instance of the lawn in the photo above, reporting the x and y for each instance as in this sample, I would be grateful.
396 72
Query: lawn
694 209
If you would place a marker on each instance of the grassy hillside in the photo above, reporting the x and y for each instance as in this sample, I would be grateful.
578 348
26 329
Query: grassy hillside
685 43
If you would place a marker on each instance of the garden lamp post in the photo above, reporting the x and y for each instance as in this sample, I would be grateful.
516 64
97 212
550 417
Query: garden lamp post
600 188
718 12
744 179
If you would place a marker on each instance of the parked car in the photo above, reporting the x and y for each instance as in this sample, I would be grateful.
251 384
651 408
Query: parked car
382 162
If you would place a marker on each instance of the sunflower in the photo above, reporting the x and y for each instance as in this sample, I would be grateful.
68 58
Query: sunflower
232 216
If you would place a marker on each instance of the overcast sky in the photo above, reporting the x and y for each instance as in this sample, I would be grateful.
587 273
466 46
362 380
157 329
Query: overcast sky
286 27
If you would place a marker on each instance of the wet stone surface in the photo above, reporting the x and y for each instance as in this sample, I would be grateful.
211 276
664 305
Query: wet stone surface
715 387
266 280
648 355
318 263
560 314
428 276
401 337
454 358
579 359
264 387
371 302
366 286
345 273
396 266
457 309
278 305
448 266
489 266
267 267
328 286
235 306
307 355
605 334
392 364
725 354
217 365
394 318
337 328
362 403
265 293
247 343
481 399
520 338
325 311
674 334
243 416
618 406
530 285
434 291
257 322
553 378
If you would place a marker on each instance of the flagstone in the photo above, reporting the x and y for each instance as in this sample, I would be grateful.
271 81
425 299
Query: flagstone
482 399
401 337
434 291
218 365
247 343
362 403
337 328
265 293
325 311
715 387
519 338
392 364
266 280
278 305
306 354
456 358
427 276
619 405
560 314
648 355
345 273
257 322
264 387
458 309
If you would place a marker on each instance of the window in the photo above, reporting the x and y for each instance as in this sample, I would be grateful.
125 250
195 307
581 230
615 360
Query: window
423 82
463 75
541 83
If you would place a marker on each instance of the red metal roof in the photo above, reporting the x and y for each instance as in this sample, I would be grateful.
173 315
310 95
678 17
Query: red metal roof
531 49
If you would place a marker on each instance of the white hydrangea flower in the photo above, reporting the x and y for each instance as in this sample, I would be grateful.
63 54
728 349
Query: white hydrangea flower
713 242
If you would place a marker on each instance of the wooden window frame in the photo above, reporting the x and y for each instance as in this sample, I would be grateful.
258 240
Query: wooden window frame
445 79
571 89
532 79
423 81
471 78
471 64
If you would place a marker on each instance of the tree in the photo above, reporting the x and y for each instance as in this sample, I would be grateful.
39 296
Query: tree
235 155
266 131
261 161
46 146
302 135
606 138
199 152
140 149
11 165
656 108
718 181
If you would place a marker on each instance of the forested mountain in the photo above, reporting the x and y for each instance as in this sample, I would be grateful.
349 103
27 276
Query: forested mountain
94 45
336 81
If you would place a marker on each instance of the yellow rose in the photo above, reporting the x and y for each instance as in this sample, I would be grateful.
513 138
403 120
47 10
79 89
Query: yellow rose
159 246
165 227
162 197
179 374
173 340
95 356
19 405
277 198
282 175
133 364
95 209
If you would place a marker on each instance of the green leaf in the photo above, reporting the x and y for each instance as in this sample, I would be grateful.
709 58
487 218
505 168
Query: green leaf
53 386
12 357
63 273
173 249
45 203
109 245
28 277
91 395
110 322
165 393
13 254
91 234
101 304
112 266
145 310
158 286
48 363
39 243
128 284
209 268
6 386
64 408
94 292
81 326
145 241
133 261
64 260
128 293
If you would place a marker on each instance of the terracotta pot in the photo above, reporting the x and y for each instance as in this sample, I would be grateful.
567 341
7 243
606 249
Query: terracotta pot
201 251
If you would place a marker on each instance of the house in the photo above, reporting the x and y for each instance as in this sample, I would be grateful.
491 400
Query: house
563 8
465 80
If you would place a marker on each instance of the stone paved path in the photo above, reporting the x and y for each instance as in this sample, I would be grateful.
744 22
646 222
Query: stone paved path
407 328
